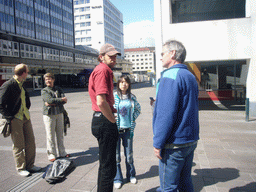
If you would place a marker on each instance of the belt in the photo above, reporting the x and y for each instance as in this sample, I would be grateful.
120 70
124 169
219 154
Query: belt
97 114
123 130
175 146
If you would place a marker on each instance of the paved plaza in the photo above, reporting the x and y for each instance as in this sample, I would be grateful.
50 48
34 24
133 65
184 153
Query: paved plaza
225 159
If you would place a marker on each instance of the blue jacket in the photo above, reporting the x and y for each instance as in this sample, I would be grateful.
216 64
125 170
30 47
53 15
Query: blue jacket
135 112
175 119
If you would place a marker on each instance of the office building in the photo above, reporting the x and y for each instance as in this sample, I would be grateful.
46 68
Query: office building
220 38
143 59
98 22
41 35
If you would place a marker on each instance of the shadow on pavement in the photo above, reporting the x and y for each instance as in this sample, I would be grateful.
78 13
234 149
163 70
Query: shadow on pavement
251 187
222 105
85 157
152 190
207 177
153 172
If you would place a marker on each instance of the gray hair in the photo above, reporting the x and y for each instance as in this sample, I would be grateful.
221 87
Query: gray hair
173 45
49 75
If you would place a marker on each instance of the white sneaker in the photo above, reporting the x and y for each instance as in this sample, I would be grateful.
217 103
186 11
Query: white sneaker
117 185
24 173
133 180
35 169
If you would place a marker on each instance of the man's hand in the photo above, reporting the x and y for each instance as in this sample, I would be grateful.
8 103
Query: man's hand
157 153
105 108
152 101
48 104
64 99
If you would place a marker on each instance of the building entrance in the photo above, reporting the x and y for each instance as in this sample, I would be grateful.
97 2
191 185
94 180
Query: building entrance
221 80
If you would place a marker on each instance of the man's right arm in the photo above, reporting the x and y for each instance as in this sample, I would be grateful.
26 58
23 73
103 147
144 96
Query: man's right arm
105 108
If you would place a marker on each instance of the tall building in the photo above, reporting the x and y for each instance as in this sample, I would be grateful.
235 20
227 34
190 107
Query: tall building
48 20
98 22
40 33
143 59
220 38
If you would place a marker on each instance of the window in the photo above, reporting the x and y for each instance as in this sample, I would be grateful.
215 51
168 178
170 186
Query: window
85 32
202 10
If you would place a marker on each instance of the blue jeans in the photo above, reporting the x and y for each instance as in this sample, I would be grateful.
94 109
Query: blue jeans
175 169
128 152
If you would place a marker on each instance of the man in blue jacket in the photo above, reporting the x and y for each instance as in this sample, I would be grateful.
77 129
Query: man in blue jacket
175 120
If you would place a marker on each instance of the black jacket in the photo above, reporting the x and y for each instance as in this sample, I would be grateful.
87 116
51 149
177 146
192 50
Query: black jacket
10 100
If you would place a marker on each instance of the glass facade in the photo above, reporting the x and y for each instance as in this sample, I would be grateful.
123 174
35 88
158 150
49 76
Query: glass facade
47 20
223 76
203 10
9 48
42 20
7 16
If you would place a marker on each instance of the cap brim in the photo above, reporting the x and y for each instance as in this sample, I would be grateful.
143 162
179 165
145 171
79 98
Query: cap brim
112 53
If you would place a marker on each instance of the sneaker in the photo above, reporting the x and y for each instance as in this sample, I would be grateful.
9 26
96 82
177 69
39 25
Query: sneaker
35 169
24 173
133 180
117 185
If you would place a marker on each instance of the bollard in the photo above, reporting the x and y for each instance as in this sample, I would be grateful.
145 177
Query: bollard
247 109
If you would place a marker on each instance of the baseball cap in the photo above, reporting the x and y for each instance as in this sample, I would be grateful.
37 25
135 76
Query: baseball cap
109 50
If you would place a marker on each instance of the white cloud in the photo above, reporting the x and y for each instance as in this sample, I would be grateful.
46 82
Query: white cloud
139 34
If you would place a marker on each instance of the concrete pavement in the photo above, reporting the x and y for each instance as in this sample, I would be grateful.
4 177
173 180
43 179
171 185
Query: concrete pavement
224 159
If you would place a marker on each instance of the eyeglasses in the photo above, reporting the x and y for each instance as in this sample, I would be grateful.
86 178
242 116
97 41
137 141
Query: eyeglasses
162 54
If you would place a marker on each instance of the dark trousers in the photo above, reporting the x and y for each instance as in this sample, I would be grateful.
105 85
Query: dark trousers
107 136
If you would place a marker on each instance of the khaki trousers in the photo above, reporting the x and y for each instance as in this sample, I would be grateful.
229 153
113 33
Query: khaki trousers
24 148
54 124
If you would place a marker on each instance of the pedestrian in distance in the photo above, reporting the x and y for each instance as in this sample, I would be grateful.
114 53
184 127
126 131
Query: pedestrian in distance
14 106
53 117
128 109
175 120
104 126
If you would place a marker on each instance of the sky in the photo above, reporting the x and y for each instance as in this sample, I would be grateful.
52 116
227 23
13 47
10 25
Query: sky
138 18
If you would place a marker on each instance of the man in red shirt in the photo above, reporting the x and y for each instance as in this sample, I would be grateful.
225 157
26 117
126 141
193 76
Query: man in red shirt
104 126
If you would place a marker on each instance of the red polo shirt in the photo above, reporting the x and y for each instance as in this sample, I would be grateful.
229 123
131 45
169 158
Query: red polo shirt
101 83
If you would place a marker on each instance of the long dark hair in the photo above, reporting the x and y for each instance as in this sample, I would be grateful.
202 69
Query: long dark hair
128 91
